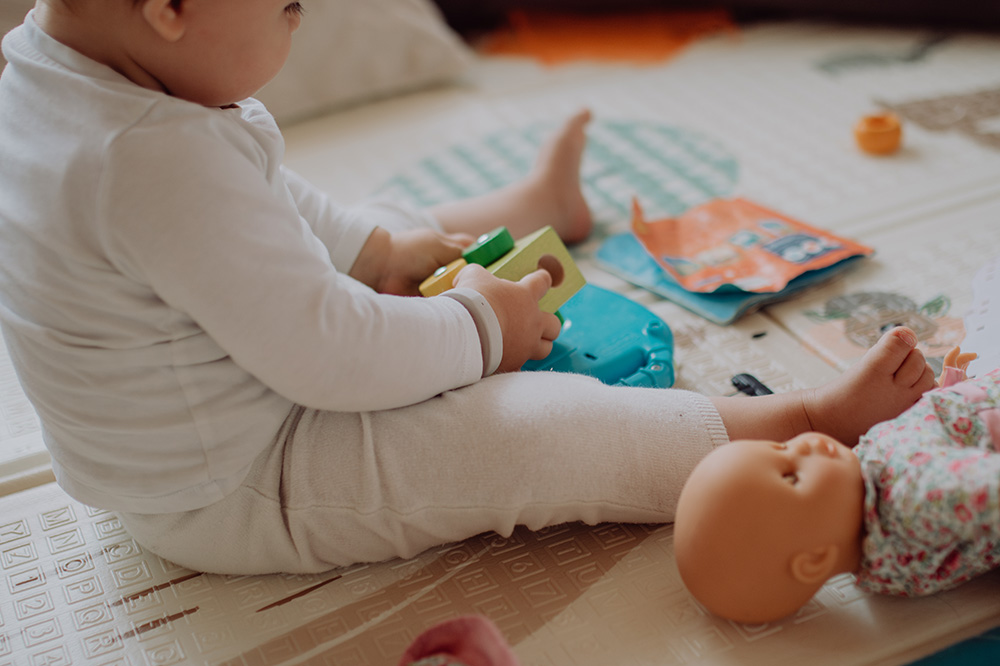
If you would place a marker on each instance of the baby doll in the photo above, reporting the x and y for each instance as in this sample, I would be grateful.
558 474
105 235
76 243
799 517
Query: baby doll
912 510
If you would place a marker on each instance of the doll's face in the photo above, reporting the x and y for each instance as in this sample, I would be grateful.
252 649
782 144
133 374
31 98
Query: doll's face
808 472
761 525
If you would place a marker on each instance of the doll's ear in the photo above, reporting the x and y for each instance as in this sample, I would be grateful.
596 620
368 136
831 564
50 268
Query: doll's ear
815 566
165 18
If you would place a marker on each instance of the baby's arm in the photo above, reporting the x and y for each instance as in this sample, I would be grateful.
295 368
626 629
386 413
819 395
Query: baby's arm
366 242
396 263
512 329
248 278
343 230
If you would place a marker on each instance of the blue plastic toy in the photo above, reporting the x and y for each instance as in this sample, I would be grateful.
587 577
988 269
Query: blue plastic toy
610 337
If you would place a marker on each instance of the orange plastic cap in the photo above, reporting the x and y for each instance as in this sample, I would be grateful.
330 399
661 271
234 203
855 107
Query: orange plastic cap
879 134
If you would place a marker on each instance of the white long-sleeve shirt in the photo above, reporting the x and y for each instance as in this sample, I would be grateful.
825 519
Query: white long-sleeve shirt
168 291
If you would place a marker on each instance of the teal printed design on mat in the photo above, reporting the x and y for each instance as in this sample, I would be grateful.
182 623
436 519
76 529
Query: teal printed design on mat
670 169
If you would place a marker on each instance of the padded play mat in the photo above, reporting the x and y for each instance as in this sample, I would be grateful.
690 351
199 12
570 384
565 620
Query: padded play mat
764 115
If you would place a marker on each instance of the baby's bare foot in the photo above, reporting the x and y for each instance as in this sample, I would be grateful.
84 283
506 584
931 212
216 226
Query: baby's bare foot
890 377
556 174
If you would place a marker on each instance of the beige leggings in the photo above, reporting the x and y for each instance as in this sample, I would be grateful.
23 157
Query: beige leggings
530 448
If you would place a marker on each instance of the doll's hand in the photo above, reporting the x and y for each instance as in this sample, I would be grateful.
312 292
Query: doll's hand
956 362
528 332
412 256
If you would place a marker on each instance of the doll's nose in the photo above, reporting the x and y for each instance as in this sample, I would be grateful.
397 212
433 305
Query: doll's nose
802 447
808 445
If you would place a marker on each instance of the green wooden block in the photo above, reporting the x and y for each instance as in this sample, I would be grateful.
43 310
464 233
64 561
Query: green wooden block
542 249
489 247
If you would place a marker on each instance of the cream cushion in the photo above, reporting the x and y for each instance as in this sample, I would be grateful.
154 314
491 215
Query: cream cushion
352 51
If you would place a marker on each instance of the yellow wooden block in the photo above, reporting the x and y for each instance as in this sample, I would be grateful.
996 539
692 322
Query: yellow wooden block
441 279
542 249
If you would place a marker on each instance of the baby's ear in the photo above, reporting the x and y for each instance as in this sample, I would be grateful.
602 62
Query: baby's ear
165 17
815 566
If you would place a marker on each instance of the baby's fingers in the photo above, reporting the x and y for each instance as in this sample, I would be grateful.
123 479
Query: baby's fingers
552 327
459 240
543 349
538 283
445 248
550 331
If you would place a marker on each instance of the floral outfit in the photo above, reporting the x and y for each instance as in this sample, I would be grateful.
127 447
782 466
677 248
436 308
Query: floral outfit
932 478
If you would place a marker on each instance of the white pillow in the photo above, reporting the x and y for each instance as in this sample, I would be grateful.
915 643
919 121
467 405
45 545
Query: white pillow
347 52
351 51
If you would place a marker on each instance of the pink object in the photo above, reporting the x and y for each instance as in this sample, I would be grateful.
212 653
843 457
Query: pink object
471 640
951 376
970 392
991 417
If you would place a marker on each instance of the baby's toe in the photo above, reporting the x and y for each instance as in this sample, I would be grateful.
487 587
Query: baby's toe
892 350
914 372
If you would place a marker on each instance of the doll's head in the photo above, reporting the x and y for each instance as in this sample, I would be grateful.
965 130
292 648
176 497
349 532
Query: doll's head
760 526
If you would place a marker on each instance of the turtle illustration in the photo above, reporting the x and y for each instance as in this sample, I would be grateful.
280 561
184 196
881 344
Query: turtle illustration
866 315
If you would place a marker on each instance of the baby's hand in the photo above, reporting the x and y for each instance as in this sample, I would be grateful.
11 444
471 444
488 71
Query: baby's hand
528 332
413 255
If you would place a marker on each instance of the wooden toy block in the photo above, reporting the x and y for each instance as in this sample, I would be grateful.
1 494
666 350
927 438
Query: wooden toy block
441 279
489 247
542 249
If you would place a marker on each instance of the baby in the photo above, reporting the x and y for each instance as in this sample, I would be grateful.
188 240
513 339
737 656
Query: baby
912 510
232 362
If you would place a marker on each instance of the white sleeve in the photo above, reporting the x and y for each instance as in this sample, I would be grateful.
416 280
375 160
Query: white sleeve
222 245
344 229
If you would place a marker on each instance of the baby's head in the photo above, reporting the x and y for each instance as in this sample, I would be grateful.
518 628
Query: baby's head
211 52
760 526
